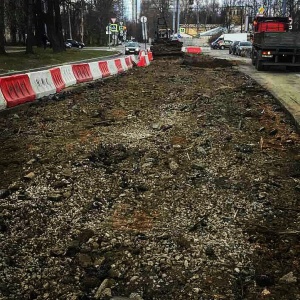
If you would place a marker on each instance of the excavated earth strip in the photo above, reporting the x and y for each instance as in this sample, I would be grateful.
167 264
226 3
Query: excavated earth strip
176 181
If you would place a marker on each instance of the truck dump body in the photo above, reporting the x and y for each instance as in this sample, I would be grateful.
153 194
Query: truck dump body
281 40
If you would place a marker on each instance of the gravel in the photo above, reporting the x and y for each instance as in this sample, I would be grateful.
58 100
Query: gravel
175 181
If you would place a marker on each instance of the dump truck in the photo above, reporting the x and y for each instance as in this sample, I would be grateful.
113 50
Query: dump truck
274 44
163 43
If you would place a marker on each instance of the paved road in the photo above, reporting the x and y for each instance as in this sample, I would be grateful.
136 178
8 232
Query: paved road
284 85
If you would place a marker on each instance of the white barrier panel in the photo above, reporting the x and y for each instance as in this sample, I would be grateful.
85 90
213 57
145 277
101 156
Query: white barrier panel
2 101
67 75
112 67
124 65
134 58
183 49
95 70
147 60
42 83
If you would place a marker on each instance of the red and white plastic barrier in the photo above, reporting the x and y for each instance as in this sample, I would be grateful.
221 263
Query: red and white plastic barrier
143 59
150 55
192 49
67 75
129 62
119 66
95 70
124 64
103 66
42 83
134 59
57 79
22 88
17 89
2 101
112 67
82 72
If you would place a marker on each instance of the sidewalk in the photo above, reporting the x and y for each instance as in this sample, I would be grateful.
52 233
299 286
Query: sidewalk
284 86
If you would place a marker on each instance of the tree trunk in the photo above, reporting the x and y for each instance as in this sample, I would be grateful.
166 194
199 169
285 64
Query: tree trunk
39 19
30 37
2 28
54 26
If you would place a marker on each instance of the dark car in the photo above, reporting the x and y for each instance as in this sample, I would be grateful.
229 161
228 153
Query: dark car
242 46
75 43
232 48
224 44
132 48
215 44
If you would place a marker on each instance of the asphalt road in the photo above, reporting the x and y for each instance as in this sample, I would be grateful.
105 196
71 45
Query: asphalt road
283 85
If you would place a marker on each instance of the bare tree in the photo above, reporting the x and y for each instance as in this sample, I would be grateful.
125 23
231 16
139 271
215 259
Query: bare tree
30 36
2 28
54 25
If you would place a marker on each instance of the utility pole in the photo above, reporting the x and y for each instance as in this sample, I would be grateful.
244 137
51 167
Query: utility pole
283 8
178 15
174 16
69 17
81 21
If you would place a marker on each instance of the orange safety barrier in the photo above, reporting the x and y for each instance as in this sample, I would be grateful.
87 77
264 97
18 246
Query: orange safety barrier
142 62
82 72
119 65
57 79
104 68
142 53
17 89
150 55
195 50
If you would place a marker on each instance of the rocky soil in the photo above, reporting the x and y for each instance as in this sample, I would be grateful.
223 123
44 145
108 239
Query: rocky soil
176 181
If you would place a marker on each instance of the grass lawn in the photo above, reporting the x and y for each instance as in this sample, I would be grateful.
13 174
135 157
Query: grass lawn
18 61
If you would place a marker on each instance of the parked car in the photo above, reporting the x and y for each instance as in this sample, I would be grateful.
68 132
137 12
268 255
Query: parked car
75 43
68 45
132 48
243 46
224 44
232 48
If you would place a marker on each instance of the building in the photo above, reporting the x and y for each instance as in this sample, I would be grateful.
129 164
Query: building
131 10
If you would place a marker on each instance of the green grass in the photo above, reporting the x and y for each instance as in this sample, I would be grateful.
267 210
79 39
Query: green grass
19 61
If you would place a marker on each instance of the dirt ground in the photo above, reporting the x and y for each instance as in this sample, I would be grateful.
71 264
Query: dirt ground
176 181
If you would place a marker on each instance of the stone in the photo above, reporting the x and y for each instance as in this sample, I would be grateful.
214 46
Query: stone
55 197
101 288
289 278
173 165
29 176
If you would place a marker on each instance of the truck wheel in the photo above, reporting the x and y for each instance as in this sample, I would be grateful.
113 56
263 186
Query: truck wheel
259 66
253 58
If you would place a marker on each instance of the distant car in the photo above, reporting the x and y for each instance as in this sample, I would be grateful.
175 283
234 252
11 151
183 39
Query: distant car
224 44
132 48
215 44
232 47
75 43
68 45
243 46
